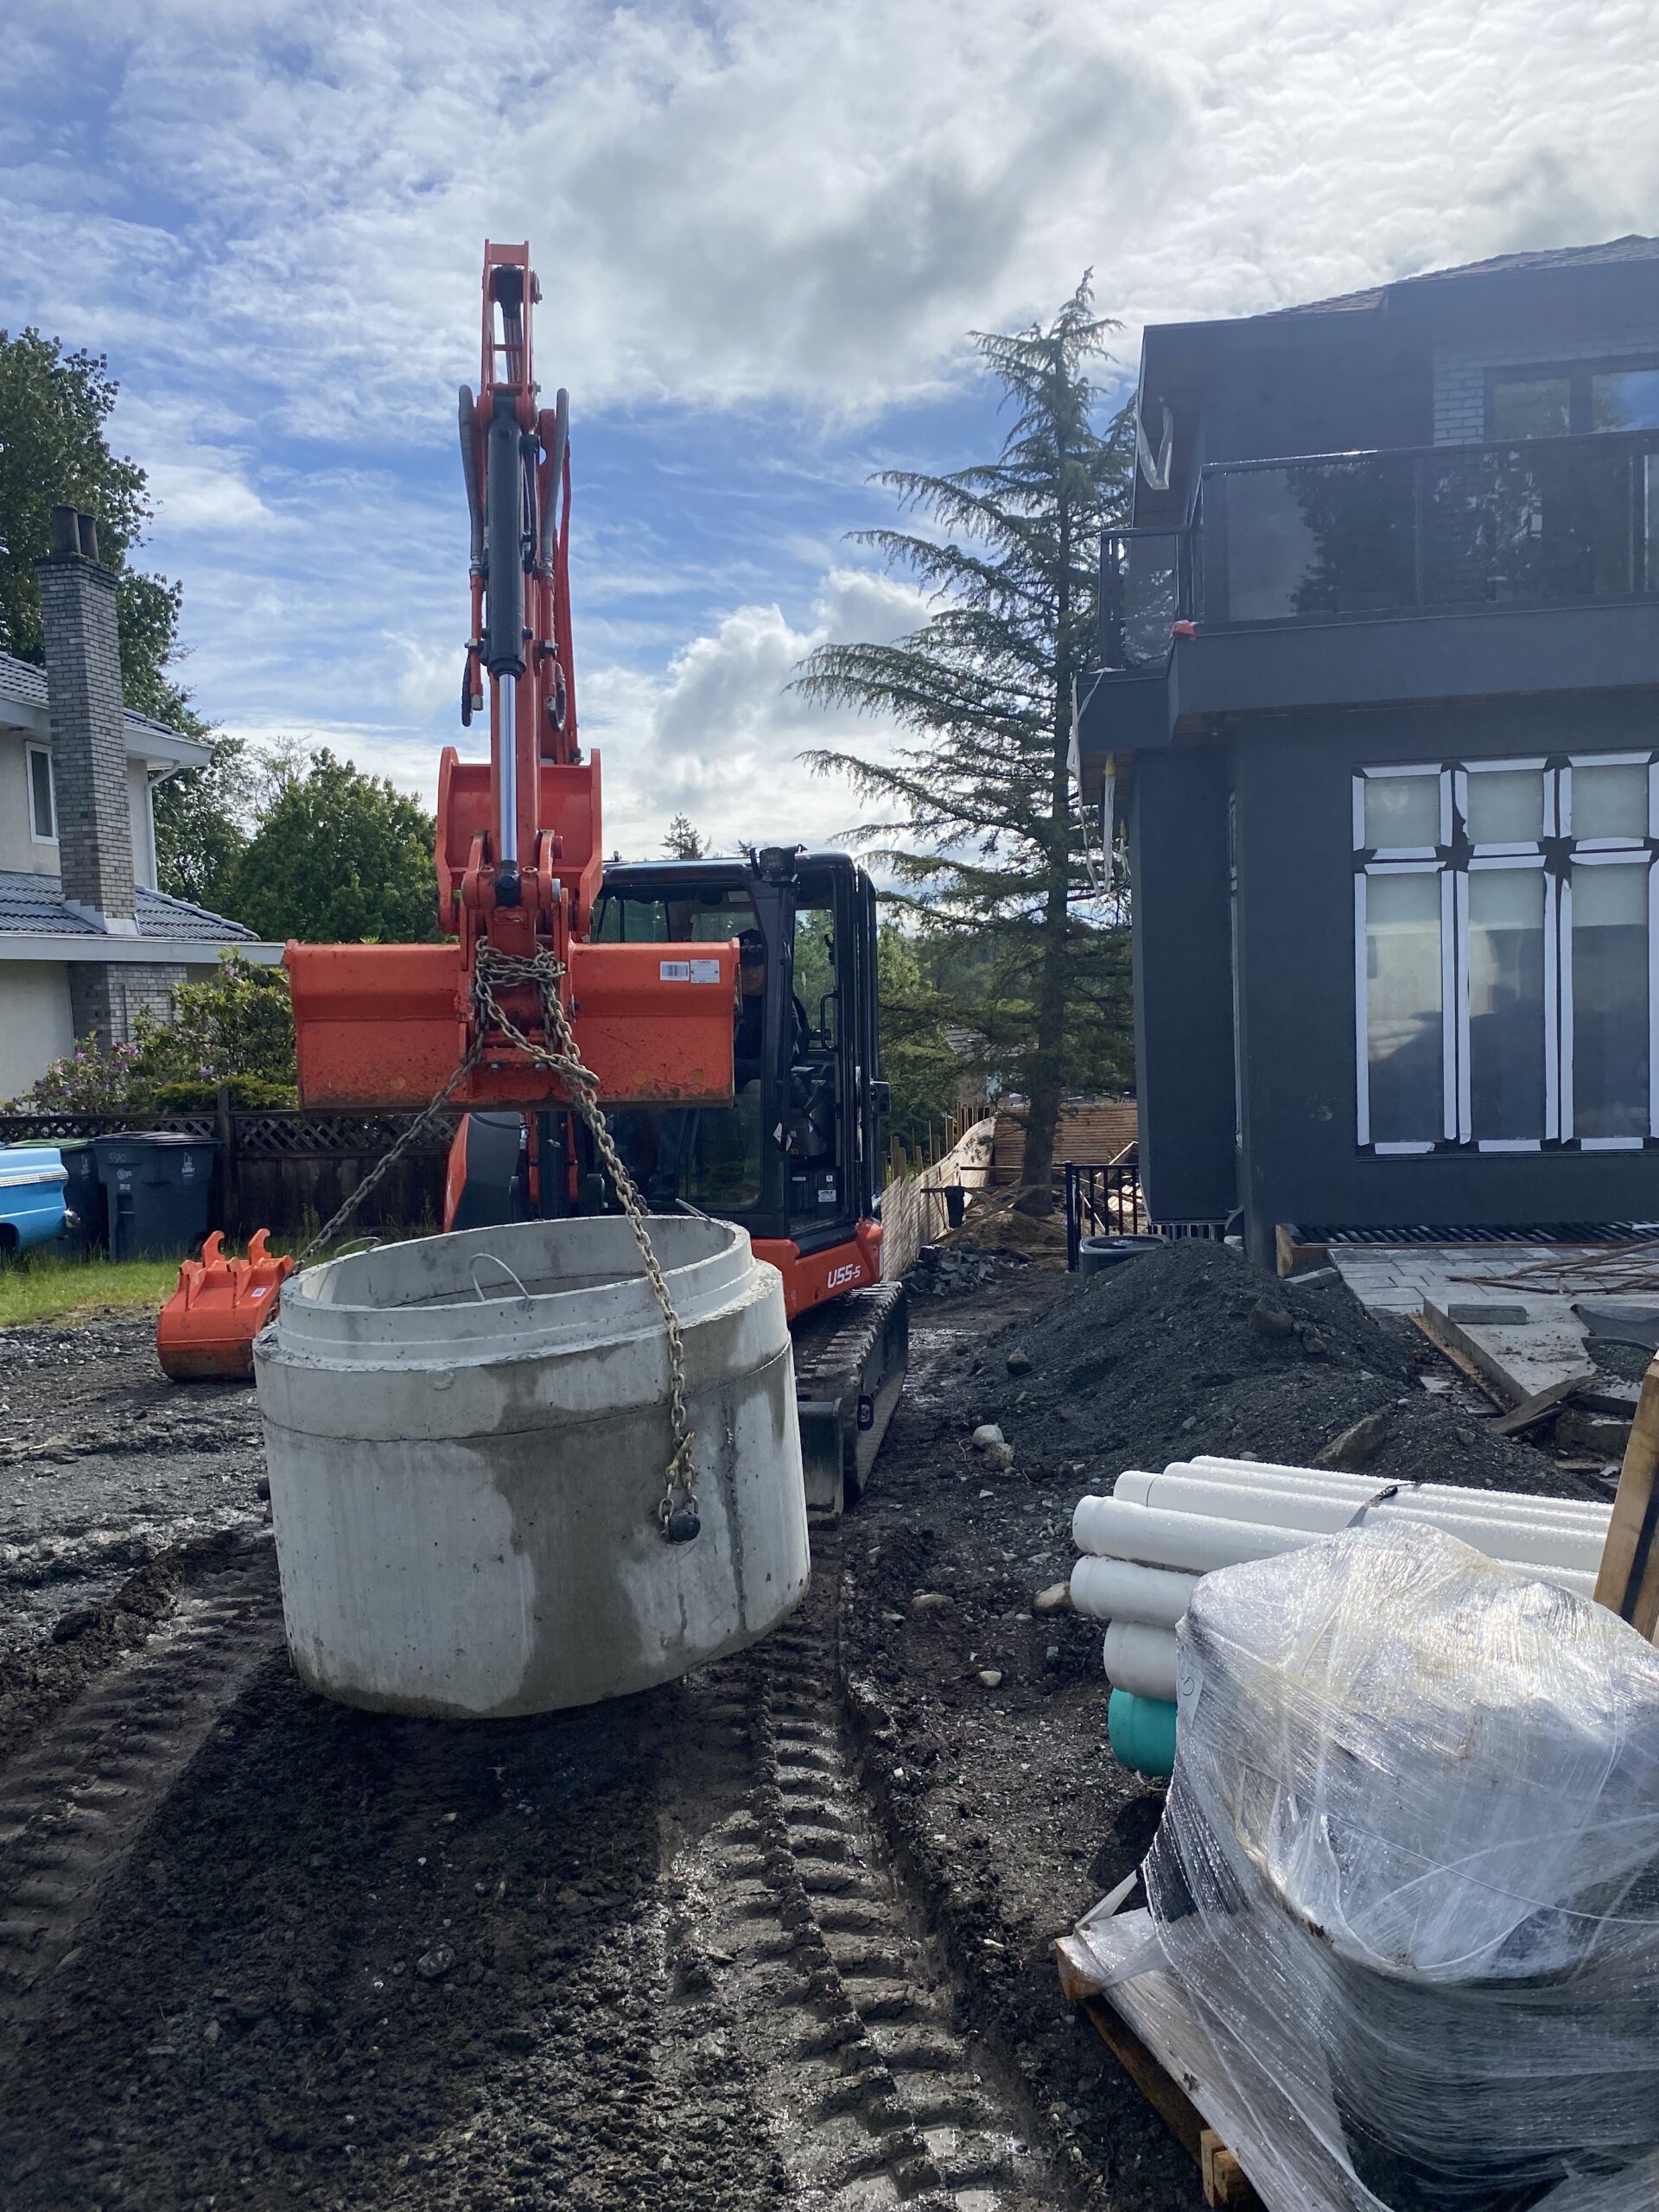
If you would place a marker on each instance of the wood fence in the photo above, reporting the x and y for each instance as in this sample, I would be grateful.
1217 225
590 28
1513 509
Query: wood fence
924 1196
280 1170
1094 1128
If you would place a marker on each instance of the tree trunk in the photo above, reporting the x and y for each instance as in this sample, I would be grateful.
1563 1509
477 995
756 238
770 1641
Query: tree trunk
1036 1196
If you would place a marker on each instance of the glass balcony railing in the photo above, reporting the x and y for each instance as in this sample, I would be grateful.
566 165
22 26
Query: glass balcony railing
1546 523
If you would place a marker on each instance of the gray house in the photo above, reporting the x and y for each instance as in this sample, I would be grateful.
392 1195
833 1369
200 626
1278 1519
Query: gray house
85 937
1379 707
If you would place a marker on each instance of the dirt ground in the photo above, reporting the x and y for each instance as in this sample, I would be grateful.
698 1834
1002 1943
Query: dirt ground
775 1934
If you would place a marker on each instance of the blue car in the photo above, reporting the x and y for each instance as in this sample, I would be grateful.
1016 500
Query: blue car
32 1211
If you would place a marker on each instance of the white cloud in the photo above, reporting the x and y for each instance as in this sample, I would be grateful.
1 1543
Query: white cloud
777 220
733 201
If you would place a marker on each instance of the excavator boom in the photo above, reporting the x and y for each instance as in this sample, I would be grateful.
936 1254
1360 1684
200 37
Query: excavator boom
520 850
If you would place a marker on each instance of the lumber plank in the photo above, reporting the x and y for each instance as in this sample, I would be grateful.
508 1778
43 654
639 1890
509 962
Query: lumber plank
1461 1360
1628 1582
1542 1404
1225 2180
1291 1254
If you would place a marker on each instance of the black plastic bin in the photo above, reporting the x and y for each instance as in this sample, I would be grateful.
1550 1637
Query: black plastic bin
83 1193
158 1188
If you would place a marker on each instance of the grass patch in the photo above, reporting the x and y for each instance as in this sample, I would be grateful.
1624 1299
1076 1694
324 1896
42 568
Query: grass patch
52 1286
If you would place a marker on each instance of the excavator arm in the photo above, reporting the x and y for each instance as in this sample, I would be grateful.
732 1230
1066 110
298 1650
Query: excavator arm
520 851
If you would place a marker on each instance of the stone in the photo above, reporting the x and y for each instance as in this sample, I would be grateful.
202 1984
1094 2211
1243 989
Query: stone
928 1601
1313 1342
998 1456
1355 1446
1271 1321
992 1677
1018 1363
433 1965
76 1622
987 1435
1057 1598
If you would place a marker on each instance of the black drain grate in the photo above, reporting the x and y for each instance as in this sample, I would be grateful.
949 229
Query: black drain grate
1557 1232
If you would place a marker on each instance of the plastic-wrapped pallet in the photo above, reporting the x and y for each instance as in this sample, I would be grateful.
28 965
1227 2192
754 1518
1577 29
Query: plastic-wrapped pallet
1409 1872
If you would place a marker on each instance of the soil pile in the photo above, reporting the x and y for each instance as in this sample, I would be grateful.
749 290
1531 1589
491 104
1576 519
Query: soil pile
992 1224
1191 1349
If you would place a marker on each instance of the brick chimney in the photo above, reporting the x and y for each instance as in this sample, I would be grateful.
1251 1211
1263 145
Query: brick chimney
89 753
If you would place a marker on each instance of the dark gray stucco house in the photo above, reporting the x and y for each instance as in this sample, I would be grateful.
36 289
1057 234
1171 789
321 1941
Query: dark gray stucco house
1379 710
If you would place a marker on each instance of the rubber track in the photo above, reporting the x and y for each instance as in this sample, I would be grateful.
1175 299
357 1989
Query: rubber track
72 1808
897 2103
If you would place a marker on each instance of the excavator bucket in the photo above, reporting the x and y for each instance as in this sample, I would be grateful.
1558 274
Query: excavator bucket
206 1330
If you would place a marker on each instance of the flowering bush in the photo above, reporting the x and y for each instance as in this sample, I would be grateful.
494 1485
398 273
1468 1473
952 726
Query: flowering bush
234 1029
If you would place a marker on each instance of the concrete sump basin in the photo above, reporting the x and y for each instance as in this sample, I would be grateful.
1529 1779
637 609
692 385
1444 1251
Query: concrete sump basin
466 1438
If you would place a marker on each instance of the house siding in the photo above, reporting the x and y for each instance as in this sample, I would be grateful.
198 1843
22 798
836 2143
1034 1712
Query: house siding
36 1024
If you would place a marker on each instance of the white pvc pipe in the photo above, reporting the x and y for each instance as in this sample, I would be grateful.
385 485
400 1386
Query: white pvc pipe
1140 1659
1115 1529
1199 1543
1117 1590
1247 1472
1479 1518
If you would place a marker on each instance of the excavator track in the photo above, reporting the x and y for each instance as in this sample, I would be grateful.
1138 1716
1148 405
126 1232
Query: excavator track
850 1359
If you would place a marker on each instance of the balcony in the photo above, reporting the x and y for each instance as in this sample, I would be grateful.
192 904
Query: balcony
1431 531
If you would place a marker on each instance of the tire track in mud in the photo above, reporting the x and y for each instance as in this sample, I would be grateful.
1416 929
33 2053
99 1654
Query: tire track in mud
878 2095
75 1806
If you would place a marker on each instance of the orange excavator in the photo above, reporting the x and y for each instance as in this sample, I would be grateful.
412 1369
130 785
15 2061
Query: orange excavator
726 1008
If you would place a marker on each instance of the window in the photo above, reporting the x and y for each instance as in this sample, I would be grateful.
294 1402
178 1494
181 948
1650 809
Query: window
1571 402
1506 913
1531 407
42 799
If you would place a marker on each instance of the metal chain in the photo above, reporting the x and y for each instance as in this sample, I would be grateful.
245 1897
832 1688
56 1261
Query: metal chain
677 1511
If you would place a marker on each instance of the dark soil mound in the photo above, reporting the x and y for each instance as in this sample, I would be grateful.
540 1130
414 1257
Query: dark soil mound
1191 1349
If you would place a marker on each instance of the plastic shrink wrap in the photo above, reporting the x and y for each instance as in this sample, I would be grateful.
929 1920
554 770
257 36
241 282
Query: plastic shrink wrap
1409 1873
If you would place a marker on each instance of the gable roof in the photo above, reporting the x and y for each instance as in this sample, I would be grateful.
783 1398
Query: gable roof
34 905
1633 247
23 706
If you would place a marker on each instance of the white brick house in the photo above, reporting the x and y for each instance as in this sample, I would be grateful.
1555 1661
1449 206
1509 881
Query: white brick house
86 936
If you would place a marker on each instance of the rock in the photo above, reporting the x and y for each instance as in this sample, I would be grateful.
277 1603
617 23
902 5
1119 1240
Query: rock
1056 1599
433 1965
928 1601
992 1677
1355 1446
987 1436
1313 1342
1018 1363
1271 1321
262 1488
76 1622
999 1457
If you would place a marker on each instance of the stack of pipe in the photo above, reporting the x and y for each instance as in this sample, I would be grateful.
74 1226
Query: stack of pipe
1145 1547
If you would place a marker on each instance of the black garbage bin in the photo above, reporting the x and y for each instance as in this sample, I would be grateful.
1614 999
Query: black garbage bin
158 1187
83 1193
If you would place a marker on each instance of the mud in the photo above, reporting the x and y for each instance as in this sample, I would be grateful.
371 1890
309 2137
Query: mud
777 1935
105 1466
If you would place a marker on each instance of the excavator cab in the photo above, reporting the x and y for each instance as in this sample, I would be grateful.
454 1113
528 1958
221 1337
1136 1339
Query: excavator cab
793 1157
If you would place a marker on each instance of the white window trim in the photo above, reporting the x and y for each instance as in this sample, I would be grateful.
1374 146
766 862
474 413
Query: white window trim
1454 927
44 752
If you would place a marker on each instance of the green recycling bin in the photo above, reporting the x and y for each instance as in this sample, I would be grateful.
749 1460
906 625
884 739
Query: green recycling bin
158 1191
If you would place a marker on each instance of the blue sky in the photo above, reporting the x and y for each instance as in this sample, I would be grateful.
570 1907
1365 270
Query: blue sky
763 228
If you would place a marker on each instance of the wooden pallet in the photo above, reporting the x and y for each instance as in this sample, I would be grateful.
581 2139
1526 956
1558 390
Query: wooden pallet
1225 2180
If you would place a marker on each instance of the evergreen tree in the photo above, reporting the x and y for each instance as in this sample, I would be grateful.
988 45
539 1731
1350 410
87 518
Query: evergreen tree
683 843
980 829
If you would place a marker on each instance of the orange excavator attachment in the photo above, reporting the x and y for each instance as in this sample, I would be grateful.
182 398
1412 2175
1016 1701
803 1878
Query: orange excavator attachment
382 1025
206 1329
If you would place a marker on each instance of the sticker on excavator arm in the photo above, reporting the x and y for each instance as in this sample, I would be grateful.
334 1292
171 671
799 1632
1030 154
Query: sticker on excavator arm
689 971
